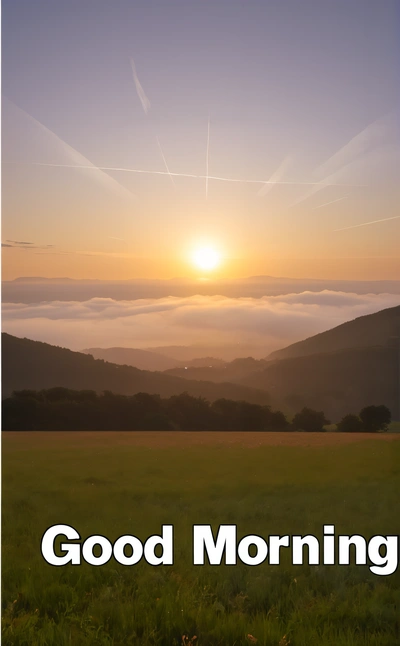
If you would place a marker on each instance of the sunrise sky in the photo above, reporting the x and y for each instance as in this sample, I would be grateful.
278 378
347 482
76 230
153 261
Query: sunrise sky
302 95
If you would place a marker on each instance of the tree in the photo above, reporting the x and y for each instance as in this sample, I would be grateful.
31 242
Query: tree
310 420
350 424
243 416
156 421
275 420
145 403
190 413
375 418
226 412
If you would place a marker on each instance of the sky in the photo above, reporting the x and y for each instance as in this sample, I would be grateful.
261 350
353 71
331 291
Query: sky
297 100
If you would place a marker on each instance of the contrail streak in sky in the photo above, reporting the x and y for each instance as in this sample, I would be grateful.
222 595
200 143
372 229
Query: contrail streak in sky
364 224
339 199
207 157
275 177
140 91
358 146
165 162
74 155
361 147
189 175
146 107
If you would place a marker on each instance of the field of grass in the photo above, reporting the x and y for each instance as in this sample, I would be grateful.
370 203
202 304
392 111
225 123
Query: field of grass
131 483
394 427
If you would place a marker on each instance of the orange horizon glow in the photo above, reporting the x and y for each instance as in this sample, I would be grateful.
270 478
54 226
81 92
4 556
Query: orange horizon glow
92 265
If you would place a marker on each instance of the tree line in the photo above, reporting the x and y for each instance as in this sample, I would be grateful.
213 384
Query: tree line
62 409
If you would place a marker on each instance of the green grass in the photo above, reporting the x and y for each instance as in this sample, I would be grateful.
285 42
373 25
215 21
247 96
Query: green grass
101 488
394 427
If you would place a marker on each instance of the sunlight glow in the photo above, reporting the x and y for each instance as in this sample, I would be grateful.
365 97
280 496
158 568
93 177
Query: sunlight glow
206 258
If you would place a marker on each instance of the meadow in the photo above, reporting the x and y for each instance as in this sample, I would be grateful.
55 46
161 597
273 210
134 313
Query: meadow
265 483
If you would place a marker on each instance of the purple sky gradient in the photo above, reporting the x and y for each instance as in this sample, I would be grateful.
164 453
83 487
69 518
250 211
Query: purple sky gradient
277 78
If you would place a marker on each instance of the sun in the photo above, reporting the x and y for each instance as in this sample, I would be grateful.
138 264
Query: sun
206 258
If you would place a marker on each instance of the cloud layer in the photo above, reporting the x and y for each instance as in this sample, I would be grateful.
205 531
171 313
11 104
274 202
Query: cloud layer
264 324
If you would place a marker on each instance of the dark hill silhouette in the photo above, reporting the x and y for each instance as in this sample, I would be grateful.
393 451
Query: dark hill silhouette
188 354
347 368
146 359
352 366
34 365
235 371
335 382
365 331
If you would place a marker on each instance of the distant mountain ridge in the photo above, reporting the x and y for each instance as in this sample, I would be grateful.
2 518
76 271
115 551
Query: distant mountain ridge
36 289
338 382
236 371
33 365
365 331
146 359
339 371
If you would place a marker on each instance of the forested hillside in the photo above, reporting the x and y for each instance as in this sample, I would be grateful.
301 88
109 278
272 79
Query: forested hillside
33 365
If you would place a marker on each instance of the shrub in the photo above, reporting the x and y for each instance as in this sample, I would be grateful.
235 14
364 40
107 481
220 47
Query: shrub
375 418
310 420
350 424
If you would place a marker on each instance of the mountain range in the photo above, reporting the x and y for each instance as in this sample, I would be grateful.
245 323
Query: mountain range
34 290
365 331
33 365
339 371
148 359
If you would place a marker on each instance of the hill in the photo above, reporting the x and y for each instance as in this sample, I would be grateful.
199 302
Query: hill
146 359
337 382
34 365
366 331
142 359
351 366
235 371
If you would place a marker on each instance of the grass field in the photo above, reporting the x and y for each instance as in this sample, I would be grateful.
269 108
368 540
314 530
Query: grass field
394 427
122 483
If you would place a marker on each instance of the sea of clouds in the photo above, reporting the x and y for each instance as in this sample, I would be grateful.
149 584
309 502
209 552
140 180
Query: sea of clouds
267 323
